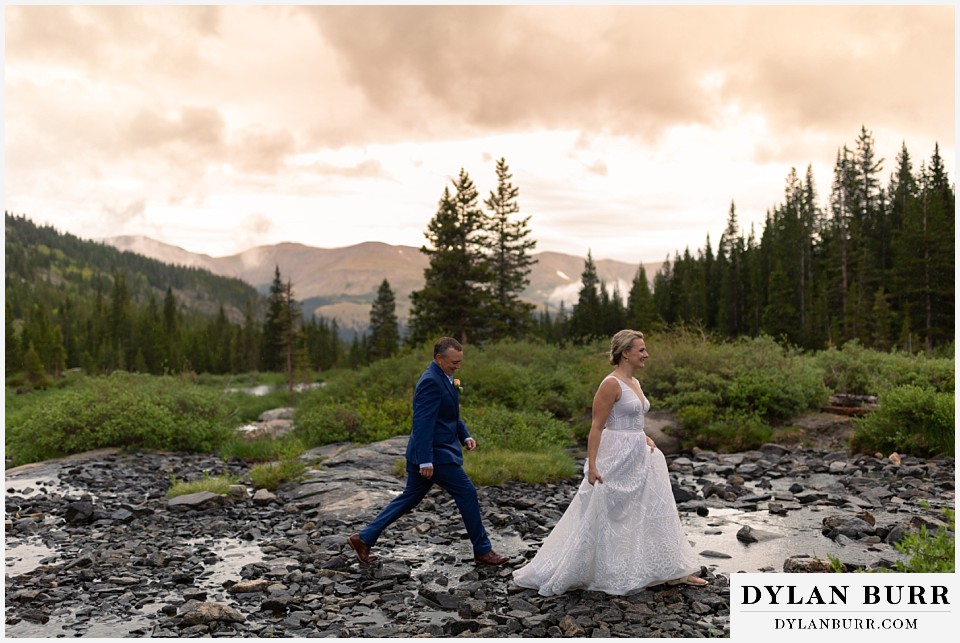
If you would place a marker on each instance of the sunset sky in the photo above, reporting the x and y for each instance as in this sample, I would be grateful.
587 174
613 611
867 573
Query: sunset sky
629 129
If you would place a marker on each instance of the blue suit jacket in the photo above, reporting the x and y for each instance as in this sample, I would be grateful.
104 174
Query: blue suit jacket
438 430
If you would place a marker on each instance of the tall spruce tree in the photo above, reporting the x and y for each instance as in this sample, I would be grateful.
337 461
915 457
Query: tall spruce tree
272 348
384 339
13 355
841 240
171 331
927 255
454 299
730 259
640 309
509 257
290 334
587 316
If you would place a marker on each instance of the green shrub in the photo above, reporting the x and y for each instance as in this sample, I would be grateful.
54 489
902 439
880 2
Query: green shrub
214 484
909 419
695 419
509 385
491 466
498 427
245 408
857 370
775 394
265 449
929 553
362 420
271 475
725 394
730 430
120 410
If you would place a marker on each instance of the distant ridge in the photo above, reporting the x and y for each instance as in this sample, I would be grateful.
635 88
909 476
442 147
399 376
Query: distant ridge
341 283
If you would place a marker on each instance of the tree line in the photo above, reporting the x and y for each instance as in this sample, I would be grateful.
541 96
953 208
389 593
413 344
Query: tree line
876 265
72 303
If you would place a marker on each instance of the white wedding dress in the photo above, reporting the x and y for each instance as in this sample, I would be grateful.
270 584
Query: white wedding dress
621 535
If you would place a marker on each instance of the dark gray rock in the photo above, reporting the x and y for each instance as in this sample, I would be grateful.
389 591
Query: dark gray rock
285 568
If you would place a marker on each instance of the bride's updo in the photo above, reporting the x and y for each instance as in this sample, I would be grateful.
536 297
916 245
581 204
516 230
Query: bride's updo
621 342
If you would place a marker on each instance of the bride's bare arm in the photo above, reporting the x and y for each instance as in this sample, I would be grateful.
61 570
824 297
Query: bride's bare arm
606 396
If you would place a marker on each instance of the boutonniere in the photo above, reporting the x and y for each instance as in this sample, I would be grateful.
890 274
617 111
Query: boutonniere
456 385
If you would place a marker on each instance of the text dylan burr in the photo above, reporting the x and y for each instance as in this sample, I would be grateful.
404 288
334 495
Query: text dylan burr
838 594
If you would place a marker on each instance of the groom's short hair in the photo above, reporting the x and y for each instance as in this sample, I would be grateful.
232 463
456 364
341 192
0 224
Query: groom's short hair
444 343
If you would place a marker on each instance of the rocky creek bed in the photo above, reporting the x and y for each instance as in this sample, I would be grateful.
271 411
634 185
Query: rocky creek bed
93 547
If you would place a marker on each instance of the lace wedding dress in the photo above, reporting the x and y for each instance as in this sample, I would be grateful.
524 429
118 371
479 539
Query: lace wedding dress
621 535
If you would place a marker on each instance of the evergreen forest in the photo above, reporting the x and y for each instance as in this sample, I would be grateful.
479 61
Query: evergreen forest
874 264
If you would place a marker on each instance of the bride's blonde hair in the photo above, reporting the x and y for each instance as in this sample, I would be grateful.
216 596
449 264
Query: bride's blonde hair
621 342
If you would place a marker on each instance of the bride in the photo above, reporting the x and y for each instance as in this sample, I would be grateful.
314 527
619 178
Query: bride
621 532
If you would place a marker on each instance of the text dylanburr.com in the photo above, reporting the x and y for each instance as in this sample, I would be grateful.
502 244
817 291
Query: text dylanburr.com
854 606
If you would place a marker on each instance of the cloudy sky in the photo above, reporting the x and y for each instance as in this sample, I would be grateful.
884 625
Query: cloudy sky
628 129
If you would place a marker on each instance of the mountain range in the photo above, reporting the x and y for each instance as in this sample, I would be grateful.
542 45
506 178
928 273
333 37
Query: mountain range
342 283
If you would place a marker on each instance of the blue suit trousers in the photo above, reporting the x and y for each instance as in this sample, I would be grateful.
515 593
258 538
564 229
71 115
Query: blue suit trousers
453 479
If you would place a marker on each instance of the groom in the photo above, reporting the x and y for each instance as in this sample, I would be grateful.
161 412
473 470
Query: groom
434 456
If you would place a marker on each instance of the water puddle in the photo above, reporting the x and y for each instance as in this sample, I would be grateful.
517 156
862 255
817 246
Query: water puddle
22 557
256 391
266 389
47 483
223 559
23 554
780 537
75 625
231 555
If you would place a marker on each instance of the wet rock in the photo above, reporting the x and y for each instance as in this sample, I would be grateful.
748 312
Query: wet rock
849 526
35 616
262 497
709 553
285 413
806 564
198 500
206 613
569 627
79 512
681 495
284 565
745 535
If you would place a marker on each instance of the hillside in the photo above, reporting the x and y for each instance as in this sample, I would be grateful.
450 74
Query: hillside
341 283
44 264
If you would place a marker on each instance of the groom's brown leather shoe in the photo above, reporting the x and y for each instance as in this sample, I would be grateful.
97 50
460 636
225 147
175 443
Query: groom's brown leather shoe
490 558
361 548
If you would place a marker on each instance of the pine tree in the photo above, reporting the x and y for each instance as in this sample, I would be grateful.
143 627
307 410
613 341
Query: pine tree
779 313
34 368
171 332
873 239
272 347
662 294
121 323
730 311
290 335
640 309
247 353
384 337
586 317
454 300
881 322
509 257
13 356
927 260
841 242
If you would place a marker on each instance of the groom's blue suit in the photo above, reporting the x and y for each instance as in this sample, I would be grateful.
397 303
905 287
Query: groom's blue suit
437 435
